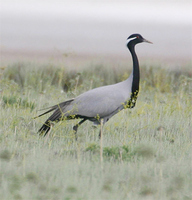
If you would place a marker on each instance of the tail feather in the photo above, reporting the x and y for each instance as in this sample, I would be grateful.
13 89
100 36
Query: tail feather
56 116
60 105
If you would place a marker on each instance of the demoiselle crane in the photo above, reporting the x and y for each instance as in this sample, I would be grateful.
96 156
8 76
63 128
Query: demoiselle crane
100 104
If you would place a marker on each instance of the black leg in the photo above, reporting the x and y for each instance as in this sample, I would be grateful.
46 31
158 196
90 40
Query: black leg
100 134
100 130
77 126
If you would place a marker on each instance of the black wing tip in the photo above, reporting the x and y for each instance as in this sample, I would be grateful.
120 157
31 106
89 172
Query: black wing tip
44 113
44 129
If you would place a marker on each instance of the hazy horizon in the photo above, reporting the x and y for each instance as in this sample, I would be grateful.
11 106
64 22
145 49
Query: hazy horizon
96 28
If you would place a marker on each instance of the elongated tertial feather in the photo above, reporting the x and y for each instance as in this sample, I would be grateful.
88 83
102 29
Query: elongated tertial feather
54 107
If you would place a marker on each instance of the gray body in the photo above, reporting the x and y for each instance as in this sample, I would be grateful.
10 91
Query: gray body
100 103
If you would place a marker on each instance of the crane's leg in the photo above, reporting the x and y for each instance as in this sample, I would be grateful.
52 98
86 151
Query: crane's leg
101 144
77 126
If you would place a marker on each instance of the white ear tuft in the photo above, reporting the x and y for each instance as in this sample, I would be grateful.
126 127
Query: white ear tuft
130 39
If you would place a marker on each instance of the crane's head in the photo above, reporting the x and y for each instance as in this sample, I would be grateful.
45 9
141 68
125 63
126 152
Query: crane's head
135 39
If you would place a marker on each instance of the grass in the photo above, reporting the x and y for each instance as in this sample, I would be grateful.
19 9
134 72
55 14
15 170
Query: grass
146 150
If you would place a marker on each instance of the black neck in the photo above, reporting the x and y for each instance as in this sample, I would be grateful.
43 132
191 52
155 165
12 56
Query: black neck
136 74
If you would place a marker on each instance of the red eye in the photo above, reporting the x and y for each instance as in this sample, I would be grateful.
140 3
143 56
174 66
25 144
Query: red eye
137 36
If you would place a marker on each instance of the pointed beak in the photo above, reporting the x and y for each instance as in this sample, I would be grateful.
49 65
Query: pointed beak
144 40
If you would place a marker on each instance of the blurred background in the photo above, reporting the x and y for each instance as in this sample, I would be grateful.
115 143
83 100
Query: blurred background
87 29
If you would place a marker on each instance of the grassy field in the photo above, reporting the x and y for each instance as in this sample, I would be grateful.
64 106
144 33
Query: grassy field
147 151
